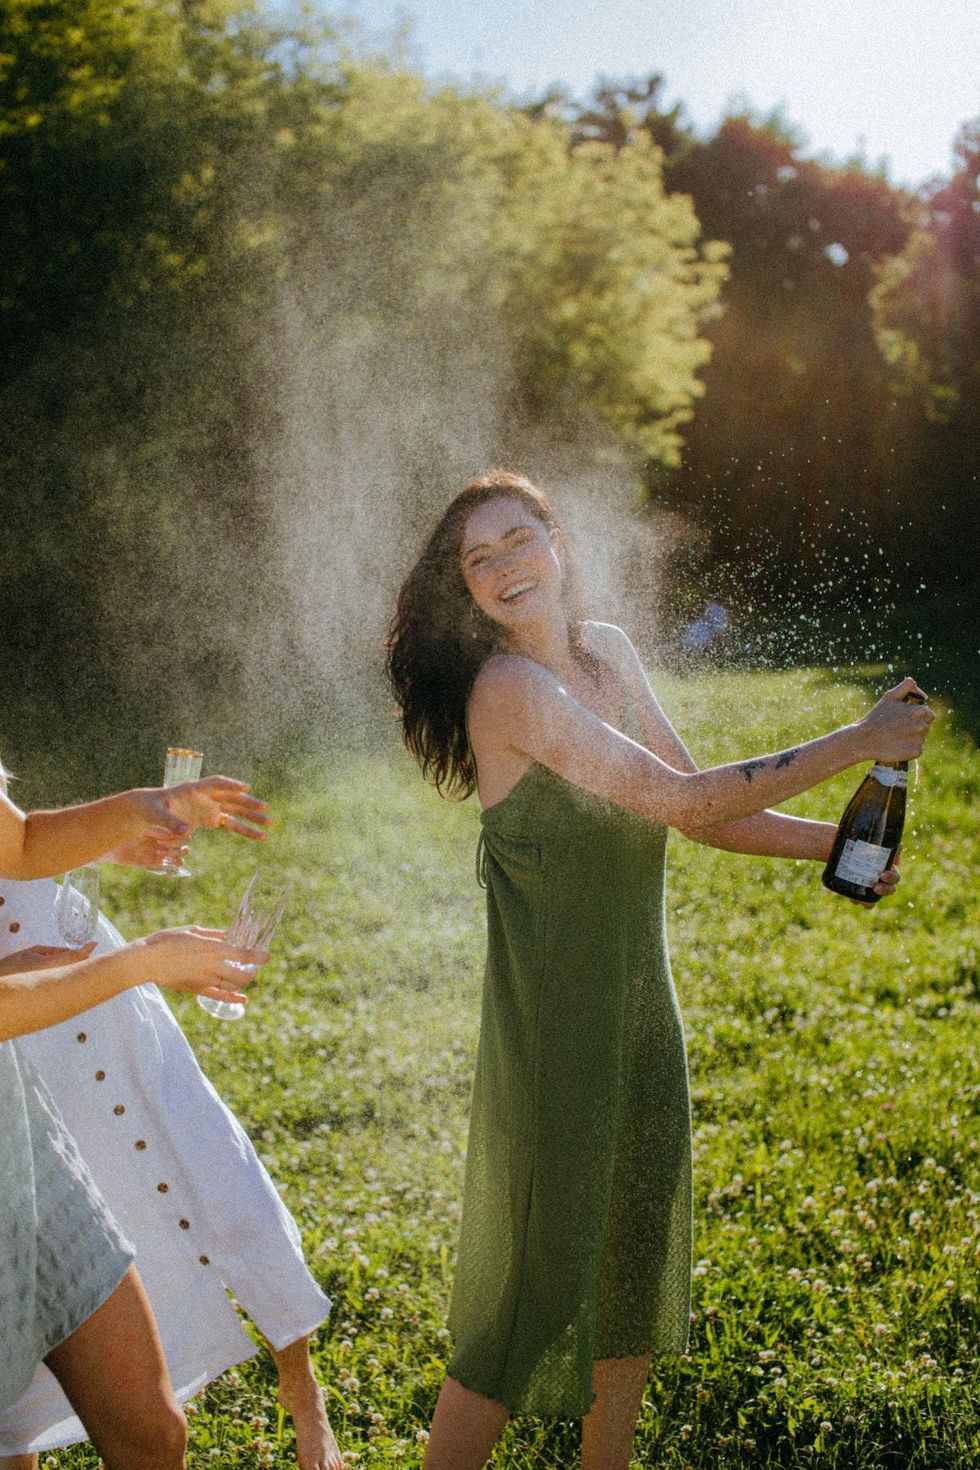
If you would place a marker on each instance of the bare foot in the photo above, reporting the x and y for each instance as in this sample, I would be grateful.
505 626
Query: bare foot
316 1448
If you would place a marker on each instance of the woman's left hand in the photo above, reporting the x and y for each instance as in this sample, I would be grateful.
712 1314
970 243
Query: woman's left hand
887 882
43 957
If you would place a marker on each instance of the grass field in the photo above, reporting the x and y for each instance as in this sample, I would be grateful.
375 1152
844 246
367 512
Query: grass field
836 1090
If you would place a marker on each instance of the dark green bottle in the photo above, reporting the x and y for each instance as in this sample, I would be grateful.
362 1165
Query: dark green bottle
870 830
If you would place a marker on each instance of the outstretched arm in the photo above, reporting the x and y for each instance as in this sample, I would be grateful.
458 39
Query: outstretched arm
520 705
765 833
40 844
41 986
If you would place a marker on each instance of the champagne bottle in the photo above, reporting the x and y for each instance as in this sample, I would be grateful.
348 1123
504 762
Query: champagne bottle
870 830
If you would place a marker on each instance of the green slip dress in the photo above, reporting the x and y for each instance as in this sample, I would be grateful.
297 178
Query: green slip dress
575 1241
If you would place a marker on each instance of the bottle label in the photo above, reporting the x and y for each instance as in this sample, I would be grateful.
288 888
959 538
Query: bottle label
862 863
888 776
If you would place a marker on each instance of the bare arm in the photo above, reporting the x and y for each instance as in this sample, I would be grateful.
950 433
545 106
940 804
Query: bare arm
40 844
518 704
765 833
41 986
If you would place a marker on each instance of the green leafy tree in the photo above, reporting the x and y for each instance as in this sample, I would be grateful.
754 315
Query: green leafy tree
240 257
927 314
789 438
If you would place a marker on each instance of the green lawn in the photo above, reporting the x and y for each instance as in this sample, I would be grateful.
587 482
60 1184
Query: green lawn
836 1086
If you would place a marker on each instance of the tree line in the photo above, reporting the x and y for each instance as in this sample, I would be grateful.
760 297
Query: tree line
226 238
844 382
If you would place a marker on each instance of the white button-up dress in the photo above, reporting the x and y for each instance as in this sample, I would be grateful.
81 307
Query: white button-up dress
178 1173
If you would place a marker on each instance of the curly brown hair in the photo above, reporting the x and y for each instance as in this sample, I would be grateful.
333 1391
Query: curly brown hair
439 639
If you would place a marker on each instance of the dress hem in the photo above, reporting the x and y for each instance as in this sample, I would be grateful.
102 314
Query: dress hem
514 1406
294 1333
126 1259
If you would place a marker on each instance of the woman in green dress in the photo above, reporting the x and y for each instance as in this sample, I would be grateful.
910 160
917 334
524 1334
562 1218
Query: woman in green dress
574 1256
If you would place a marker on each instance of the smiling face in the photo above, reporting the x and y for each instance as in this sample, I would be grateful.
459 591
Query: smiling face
510 564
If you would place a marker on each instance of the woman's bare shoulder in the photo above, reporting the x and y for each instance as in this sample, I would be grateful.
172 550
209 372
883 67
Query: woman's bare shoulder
608 641
509 676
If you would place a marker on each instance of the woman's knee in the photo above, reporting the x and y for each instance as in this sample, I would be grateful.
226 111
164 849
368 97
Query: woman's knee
171 1435
173 1431
158 1440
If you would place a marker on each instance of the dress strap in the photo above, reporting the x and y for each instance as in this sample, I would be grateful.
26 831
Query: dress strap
481 860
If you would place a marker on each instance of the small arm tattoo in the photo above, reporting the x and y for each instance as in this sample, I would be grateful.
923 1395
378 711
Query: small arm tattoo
749 768
787 758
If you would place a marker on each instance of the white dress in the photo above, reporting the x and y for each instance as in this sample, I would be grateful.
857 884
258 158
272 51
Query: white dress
178 1173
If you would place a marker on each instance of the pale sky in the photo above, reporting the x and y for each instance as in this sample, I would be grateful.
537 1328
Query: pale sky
889 79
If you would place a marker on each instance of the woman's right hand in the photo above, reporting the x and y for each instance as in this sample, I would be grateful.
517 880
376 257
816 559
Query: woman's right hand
201 961
217 801
170 814
894 730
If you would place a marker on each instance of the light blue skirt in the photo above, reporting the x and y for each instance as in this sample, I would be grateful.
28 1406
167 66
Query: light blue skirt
61 1252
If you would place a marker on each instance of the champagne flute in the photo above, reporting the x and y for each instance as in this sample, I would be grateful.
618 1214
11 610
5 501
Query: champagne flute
180 765
77 907
258 916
